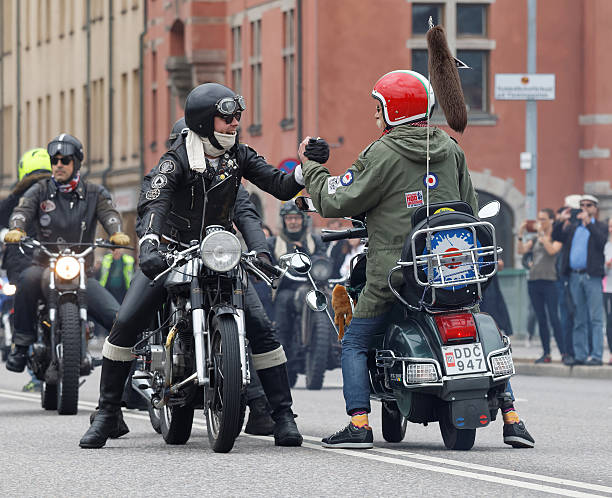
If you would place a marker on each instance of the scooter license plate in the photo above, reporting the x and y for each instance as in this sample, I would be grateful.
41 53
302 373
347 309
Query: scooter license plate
464 359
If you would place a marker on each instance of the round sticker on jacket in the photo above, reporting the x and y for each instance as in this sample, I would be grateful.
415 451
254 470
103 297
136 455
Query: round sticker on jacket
167 167
159 181
44 220
152 194
430 180
47 206
347 178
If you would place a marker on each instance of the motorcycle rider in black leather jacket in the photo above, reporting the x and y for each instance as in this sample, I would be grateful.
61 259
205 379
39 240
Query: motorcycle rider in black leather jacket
195 185
64 208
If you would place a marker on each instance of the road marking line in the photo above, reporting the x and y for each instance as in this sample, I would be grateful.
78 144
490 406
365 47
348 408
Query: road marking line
371 455
461 473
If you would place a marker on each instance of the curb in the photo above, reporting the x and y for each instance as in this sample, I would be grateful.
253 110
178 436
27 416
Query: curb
527 367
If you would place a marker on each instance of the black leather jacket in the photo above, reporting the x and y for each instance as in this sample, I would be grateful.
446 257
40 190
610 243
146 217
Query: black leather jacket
173 197
66 217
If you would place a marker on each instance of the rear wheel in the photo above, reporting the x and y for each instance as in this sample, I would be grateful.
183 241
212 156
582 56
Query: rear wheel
318 350
175 423
48 396
224 397
393 422
70 362
455 439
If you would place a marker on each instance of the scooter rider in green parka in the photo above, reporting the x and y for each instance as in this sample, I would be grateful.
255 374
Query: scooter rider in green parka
388 181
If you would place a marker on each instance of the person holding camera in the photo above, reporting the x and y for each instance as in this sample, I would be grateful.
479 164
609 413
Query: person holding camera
542 278
583 260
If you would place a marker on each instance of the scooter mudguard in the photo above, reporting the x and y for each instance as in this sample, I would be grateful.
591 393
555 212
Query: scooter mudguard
470 413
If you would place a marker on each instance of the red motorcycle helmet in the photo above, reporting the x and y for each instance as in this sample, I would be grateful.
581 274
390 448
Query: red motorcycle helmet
406 97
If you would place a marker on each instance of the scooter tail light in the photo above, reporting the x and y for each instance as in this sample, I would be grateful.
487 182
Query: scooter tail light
456 328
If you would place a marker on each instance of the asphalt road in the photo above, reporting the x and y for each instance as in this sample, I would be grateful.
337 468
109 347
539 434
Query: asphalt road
569 418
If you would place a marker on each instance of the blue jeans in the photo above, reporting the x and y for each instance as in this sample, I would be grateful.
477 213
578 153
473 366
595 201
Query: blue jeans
566 314
543 295
587 295
355 376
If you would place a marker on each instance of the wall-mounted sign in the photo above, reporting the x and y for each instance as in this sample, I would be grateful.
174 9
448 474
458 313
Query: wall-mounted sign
525 86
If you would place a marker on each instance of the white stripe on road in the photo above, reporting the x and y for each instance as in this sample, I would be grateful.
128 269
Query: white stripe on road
399 458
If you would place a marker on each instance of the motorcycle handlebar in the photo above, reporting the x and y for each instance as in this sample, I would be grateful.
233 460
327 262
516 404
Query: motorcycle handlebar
267 268
349 233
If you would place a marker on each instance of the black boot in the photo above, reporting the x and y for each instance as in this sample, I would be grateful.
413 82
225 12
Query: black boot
107 420
17 358
120 430
260 422
276 386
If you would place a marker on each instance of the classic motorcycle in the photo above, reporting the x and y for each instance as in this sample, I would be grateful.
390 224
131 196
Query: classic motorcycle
438 359
7 293
317 348
60 356
196 357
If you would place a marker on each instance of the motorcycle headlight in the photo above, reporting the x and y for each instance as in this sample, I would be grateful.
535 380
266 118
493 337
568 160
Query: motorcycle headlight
67 267
8 289
221 251
321 270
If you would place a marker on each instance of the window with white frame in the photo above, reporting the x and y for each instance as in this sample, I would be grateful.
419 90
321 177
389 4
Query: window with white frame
237 59
289 68
465 22
255 63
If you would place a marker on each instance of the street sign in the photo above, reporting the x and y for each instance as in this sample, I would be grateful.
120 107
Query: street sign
525 160
525 86
288 165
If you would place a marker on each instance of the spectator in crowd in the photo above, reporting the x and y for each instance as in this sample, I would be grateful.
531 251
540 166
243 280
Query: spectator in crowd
583 261
542 277
608 287
338 249
116 271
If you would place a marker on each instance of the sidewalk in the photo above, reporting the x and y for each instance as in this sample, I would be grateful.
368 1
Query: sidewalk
524 356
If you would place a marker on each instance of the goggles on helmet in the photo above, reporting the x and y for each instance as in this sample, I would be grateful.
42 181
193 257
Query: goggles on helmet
229 106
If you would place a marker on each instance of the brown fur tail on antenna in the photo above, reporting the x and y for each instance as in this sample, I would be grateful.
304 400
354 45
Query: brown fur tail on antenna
445 79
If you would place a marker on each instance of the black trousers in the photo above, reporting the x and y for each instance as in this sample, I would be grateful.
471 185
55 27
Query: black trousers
142 301
101 304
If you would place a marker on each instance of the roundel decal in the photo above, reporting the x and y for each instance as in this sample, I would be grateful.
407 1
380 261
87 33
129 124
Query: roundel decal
430 180
347 178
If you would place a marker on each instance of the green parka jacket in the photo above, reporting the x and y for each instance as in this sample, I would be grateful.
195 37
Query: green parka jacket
388 182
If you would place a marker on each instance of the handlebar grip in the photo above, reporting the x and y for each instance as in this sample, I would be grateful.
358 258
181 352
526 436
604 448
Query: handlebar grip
266 268
349 233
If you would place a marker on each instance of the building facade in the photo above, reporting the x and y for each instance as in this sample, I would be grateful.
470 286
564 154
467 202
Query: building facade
306 67
74 66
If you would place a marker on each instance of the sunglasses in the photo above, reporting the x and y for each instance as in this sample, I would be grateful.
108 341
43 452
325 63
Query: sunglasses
377 108
66 160
229 119
587 205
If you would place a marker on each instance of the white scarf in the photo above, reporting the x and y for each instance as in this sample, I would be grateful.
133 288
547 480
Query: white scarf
199 147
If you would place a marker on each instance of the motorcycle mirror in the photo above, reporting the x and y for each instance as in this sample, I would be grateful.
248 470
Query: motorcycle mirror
300 262
305 204
489 210
316 300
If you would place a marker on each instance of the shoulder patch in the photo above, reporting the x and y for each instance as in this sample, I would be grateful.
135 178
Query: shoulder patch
347 178
152 194
167 167
358 165
159 181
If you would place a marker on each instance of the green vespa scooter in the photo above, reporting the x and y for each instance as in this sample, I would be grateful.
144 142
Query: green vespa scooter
439 359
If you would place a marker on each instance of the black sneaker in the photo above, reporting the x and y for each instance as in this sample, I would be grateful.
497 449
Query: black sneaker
350 437
516 435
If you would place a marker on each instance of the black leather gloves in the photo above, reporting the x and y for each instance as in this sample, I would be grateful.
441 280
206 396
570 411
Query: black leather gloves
317 150
152 263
